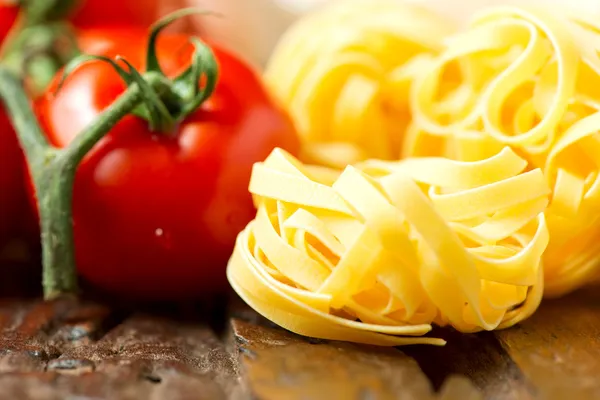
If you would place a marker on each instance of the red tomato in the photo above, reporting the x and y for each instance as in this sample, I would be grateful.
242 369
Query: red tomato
156 215
11 180
106 40
105 13
8 16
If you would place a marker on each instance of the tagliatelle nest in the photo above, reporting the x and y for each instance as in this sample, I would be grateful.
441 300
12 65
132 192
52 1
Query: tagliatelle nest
378 252
529 79
345 73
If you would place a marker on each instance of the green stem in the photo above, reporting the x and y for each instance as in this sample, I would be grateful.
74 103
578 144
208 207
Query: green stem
53 173
58 252
39 51
32 138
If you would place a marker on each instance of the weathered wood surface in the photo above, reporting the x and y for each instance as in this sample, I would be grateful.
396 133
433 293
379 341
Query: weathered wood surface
86 350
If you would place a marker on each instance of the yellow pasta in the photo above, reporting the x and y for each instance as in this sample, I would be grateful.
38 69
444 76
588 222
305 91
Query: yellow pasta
377 79
378 252
531 80
345 73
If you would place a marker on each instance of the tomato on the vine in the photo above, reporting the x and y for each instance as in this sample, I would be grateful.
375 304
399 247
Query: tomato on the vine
156 214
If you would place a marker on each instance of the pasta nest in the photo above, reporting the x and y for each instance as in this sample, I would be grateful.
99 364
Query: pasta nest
344 74
528 79
380 251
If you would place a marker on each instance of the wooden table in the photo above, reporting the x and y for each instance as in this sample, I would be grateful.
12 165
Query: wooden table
223 350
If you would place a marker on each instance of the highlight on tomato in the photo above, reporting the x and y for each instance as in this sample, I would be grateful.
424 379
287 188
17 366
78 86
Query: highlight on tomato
158 202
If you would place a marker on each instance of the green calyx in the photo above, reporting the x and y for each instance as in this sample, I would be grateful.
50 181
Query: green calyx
168 101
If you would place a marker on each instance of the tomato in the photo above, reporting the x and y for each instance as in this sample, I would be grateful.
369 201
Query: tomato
8 16
11 180
105 13
106 40
156 215
11 157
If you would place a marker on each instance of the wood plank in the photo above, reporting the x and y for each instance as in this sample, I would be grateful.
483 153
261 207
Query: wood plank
480 358
66 348
56 350
558 348
162 349
24 329
277 364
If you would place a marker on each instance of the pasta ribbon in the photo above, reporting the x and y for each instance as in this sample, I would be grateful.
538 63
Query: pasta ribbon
345 74
378 252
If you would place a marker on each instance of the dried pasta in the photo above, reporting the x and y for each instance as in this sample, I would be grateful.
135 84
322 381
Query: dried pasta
378 252
531 80
345 73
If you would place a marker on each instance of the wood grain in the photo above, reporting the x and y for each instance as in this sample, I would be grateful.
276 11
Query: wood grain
280 365
70 349
60 349
558 348
480 357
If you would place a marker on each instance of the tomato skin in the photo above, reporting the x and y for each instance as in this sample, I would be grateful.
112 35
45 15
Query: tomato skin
8 16
11 156
111 13
106 41
11 181
156 215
